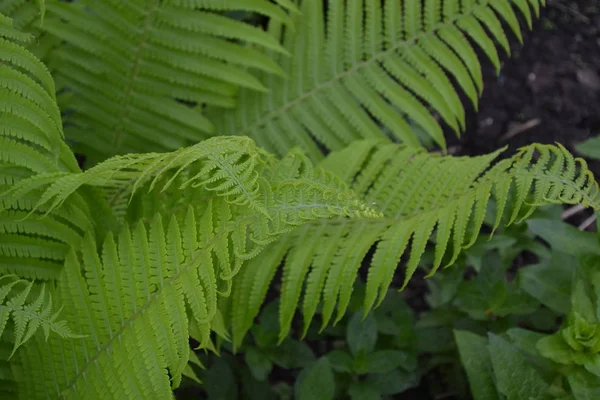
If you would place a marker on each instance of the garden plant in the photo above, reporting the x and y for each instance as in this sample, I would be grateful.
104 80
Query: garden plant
199 195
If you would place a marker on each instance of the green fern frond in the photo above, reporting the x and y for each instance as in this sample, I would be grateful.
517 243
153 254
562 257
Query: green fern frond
139 297
31 145
422 197
356 60
31 133
228 166
130 67
27 17
29 308
7 30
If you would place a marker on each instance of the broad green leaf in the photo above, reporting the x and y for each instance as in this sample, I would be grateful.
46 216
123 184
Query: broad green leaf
515 378
550 282
478 364
555 348
219 381
590 148
483 245
526 341
291 354
517 302
259 363
363 391
592 363
361 335
340 361
394 382
444 285
383 361
582 303
316 382
254 389
584 385
489 294
434 339
266 332
394 316
564 237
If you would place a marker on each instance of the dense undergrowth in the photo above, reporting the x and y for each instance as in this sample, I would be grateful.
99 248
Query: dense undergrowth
254 186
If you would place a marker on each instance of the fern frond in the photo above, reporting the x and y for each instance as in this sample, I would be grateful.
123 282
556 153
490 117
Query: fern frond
31 133
28 307
139 297
132 66
391 61
422 197
28 17
228 166
32 145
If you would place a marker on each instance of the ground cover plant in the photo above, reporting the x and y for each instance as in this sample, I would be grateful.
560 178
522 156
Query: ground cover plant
222 198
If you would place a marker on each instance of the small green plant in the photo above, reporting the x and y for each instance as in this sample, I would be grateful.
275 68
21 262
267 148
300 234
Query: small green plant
215 153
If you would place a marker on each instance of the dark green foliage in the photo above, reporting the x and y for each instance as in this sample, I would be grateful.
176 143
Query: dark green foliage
170 233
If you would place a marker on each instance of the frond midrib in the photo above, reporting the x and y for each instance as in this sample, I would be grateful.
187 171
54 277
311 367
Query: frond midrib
388 220
382 54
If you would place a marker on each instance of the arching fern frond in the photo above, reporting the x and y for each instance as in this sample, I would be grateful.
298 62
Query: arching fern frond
129 67
422 197
31 135
31 143
139 297
228 166
356 60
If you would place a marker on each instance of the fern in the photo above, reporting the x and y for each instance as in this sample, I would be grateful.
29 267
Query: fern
127 67
422 196
31 143
28 310
130 298
387 60
228 166
143 251
28 16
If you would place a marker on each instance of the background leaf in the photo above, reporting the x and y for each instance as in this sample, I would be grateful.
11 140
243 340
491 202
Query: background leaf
478 364
564 237
550 281
291 354
361 335
585 386
590 148
515 378
384 361
316 382
259 363
363 391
